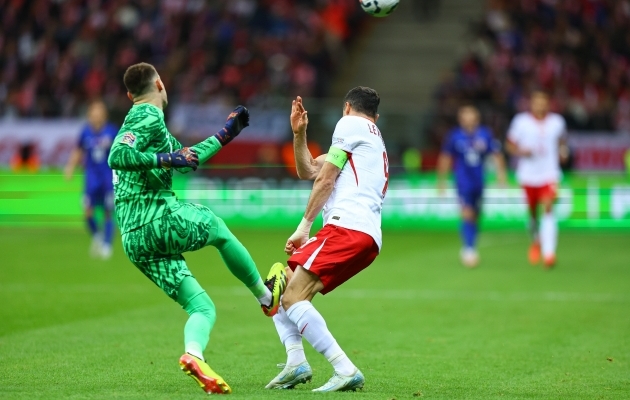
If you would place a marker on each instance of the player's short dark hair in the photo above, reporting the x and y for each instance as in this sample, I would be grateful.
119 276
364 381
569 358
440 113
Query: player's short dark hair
363 100
138 78
468 105
540 92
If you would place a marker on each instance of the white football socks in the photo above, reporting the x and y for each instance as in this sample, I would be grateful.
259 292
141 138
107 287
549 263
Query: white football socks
290 337
548 234
312 326
262 292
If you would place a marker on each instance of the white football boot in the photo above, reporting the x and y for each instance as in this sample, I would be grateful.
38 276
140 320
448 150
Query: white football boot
106 251
96 246
469 257
291 376
343 383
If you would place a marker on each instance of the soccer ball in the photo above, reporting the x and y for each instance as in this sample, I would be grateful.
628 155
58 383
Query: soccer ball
379 8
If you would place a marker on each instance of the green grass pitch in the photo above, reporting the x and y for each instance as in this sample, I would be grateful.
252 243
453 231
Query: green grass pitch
415 322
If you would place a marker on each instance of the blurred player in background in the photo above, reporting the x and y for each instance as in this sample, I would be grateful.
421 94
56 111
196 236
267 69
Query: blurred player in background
538 139
156 228
92 150
350 185
467 147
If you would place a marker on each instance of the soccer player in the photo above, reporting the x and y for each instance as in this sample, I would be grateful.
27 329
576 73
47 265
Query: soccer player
538 139
468 146
157 228
350 185
92 149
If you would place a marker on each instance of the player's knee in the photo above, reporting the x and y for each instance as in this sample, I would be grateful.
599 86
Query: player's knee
294 294
289 298
468 214
89 212
224 235
303 286
201 304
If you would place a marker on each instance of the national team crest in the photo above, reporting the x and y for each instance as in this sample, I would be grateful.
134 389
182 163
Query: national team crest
480 145
129 139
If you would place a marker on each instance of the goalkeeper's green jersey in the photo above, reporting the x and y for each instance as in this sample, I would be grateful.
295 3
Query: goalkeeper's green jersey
143 190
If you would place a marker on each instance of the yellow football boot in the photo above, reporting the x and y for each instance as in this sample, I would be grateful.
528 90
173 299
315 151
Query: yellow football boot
201 372
276 282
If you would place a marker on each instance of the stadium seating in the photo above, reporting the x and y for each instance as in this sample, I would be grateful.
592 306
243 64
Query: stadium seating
55 55
578 50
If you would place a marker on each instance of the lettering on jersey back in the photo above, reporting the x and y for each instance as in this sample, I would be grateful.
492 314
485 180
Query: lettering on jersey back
376 132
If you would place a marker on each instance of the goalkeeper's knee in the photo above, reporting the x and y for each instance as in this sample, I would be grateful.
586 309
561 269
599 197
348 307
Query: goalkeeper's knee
202 304
194 299
224 236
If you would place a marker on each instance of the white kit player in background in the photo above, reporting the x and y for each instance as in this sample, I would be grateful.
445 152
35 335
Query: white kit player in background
538 139
350 185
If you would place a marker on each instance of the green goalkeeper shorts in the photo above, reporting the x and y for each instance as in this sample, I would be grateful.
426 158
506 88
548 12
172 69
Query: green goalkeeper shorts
156 248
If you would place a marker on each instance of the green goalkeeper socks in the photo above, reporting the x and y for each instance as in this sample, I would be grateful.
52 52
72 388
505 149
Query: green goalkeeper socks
239 262
201 310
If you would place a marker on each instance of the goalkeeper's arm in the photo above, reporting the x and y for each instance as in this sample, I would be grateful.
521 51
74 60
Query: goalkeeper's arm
123 157
236 122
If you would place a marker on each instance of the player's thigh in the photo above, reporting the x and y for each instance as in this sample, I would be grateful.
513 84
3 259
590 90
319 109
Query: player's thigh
188 228
532 197
335 255
303 285
205 228
166 271
548 196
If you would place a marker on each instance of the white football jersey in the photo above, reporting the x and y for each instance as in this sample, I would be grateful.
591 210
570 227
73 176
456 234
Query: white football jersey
357 199
541 137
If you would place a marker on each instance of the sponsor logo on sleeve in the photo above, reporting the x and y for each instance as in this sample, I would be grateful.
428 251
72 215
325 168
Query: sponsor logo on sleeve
129 139
337 140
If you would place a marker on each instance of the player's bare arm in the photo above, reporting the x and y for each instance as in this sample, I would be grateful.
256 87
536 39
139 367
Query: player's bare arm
322 188
443 167
513 149
563 148
73 161
499 163
307 166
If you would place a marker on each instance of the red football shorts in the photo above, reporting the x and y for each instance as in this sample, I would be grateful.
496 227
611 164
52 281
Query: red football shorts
536 194
335 254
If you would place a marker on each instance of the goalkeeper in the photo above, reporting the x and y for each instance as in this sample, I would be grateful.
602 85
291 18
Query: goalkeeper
156 228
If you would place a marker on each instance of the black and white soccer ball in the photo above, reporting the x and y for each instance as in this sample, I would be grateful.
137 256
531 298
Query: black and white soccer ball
379 8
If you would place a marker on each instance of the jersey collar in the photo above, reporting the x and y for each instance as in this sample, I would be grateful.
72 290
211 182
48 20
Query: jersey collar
158 109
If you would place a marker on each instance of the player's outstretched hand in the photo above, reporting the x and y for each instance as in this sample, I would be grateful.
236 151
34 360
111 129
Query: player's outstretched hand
182 158
236 122
295 241
299 237
299 117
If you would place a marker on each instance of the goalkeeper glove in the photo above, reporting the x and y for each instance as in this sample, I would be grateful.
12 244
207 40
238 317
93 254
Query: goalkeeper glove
182 158
236 122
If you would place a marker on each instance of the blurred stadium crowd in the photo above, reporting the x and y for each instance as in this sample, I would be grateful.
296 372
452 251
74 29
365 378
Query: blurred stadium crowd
577 50
57 55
